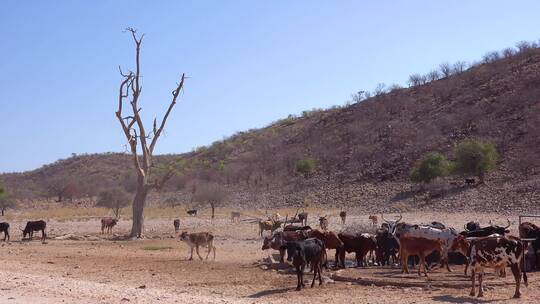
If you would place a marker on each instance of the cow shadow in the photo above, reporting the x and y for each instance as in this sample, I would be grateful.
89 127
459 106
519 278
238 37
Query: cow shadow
270 292
453 299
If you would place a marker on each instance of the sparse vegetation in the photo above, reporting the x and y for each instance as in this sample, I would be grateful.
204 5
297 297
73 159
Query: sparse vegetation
306 166
475 157
212 194
432 166
114 199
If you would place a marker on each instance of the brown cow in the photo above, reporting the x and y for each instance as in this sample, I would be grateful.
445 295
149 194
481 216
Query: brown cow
108 223
374 220
270 225
331 241
195 240
360 244
417 246
343 216
235 216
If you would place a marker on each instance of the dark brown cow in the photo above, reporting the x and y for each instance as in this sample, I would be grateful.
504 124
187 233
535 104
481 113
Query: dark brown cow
108 223
279 239
176 224
360 244
529 230
4 227
343 216
496 252
310 251
303 218
32 226
417 246
331 241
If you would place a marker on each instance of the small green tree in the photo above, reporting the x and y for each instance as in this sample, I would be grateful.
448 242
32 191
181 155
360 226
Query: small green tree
305 166
430 167
475 157
114 199
6 202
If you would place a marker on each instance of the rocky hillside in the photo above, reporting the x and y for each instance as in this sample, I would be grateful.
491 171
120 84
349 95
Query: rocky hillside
363 152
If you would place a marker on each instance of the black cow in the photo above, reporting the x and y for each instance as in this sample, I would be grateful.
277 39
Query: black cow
310 251
387 246
32 226
472 226
4 227
192 212
296 228
176 224
487 231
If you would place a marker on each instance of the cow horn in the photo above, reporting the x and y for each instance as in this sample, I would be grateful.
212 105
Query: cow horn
490 223
400 217
382 217
508 223
465 227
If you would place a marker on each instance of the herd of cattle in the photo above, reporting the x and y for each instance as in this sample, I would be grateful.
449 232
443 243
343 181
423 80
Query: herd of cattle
480 247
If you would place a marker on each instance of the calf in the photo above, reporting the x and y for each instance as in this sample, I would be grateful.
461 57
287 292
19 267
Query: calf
32 226
279 239
195 240
235 216
323 222
270 225
360 244
301 253
331 241
108 223
176 224
192 212
417 246
343 216
4 227
496 252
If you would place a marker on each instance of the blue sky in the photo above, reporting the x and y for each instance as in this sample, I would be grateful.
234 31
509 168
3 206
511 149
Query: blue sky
250 62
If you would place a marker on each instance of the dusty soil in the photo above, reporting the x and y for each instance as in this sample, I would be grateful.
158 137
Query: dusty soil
97 269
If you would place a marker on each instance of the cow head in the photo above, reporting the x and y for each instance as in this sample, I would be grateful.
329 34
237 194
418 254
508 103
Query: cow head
183 236
472 226
295 252
391 224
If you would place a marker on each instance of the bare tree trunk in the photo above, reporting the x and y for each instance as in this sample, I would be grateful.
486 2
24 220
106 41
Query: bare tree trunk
213 206
139 202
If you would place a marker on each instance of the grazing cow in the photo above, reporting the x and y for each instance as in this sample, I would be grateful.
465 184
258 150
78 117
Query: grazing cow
4 227
445 236
417 246
295 228
279 239
323 222
472 226
496 252
374 220
343 216
360 244
108 223
269 225
32 226
301 253
331 241
195 240
302 217
235 216
387 247
192 212
488 230
176 224
392 224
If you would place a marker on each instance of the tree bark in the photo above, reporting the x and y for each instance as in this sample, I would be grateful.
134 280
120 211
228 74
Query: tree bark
213 206
139 202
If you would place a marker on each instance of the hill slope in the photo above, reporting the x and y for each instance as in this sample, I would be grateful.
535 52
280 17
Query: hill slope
364 151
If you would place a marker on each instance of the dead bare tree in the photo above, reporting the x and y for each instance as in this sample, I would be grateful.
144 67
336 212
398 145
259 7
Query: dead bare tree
141 142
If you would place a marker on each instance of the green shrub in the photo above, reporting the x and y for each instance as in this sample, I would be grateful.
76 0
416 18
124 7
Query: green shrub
432 166
474 157
306 165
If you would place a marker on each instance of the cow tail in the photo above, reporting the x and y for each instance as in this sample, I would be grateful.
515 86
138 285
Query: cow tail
523 266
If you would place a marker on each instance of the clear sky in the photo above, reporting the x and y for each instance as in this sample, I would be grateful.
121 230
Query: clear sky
250 62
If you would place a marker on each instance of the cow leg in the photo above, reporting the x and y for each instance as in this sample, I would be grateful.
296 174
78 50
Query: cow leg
299 279
336 263
214 249
191 256
209 250
472 281
480 287
466 266
404 263
43 235
320 275
517 276
316 267
197 250
342 257
282 256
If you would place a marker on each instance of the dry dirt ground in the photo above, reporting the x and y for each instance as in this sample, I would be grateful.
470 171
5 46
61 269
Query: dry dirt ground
97 269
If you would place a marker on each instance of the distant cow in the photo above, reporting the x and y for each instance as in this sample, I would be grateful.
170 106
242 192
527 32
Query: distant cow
360 244
472 226
302 217
108 223
196 240
192 212
235 216
301 253
496 252
323 222
268 225
374 220
4 227
279 239
417 246
331 241
176 224
343 216
32 226
470 181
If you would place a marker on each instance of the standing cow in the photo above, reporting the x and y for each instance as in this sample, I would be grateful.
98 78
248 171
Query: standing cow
4 227
32 226
301 253
108 223
176 224
196 240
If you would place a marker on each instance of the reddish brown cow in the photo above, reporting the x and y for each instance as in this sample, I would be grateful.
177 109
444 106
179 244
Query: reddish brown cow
360 244
108 223
417 246
331 241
